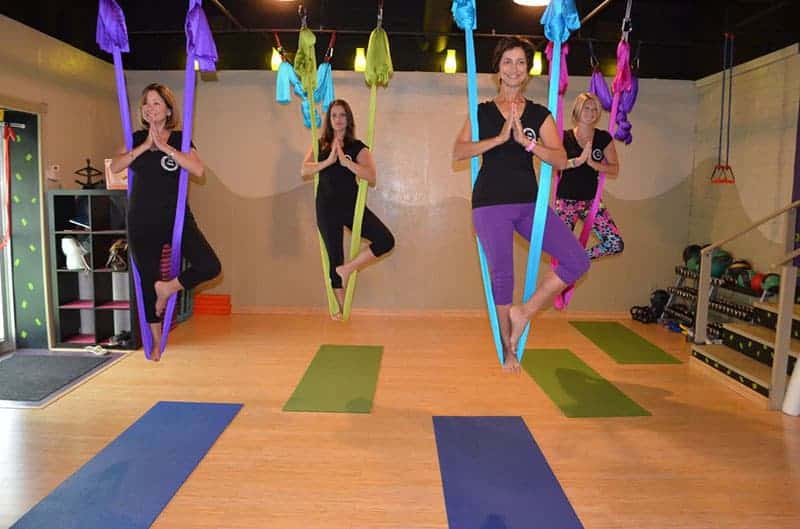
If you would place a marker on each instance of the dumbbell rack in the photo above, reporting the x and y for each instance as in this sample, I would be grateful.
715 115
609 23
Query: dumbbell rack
728 308
683 315
741 347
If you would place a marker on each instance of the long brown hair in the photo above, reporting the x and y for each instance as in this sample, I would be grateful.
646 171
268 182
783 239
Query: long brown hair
166 94
327 130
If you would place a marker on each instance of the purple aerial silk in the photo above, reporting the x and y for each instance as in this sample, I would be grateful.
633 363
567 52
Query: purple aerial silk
626 101
111 29
598 87
200 46
112 37
625 89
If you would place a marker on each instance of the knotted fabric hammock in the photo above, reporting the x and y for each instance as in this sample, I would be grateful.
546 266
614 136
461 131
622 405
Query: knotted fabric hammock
112 37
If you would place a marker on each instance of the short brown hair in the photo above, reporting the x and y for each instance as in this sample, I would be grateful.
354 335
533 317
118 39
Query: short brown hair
509 43
166 94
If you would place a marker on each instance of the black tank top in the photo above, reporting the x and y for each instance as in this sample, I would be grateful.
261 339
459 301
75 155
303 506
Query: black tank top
337 183
580 183
154 196
507 175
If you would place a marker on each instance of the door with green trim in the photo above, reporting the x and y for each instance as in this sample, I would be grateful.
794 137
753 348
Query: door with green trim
24 283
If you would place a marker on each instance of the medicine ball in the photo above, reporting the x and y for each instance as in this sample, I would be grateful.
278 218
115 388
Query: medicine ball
771 283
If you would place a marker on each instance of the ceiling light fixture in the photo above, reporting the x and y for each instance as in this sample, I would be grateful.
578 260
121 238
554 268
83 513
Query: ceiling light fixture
360 64
536 68
450 64
536 3
276 59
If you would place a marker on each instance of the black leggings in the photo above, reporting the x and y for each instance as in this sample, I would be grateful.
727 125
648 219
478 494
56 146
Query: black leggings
146 244
331 223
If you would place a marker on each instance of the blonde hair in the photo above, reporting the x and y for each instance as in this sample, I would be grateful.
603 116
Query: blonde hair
580 101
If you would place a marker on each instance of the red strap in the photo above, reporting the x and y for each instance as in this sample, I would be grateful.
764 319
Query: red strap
8 136
331 44
280 46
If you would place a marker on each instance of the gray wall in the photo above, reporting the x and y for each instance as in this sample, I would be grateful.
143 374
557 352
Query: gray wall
259 215
766 92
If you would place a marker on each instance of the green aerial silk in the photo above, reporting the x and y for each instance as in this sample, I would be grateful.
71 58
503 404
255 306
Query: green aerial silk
378 71
305 65
305 60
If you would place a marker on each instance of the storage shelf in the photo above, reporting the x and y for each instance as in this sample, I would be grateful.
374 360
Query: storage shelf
92 305
81 339
115 305
78 304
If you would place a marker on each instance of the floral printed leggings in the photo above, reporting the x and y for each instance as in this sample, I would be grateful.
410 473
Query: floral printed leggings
611 241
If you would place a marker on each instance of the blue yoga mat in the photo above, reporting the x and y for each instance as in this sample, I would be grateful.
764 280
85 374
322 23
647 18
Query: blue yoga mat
128 484
495 477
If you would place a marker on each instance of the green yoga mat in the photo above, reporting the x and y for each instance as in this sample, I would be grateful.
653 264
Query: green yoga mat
622 344
575 387
340 378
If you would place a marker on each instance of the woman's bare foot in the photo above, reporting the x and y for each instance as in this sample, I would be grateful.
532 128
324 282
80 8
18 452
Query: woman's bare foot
510 364
518 323
344 273
155 354
163 292
165 289
339 294
559 303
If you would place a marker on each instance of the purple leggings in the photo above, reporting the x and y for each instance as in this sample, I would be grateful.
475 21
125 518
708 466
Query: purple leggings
495 226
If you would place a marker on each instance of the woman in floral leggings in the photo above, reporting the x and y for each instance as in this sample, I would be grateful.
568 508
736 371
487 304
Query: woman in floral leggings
590 151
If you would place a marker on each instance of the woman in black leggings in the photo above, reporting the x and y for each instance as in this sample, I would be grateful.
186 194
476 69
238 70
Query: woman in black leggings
343 159
156 160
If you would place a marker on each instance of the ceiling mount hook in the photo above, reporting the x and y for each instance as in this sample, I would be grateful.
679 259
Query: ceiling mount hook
302 12
627 23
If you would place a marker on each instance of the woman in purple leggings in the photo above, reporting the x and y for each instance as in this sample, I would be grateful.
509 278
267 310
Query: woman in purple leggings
512 131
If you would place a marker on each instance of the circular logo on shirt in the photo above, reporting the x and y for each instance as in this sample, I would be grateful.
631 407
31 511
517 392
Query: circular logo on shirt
529 133
597 155
169 164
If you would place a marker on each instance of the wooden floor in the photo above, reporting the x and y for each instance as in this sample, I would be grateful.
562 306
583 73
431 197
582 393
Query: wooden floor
706 458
